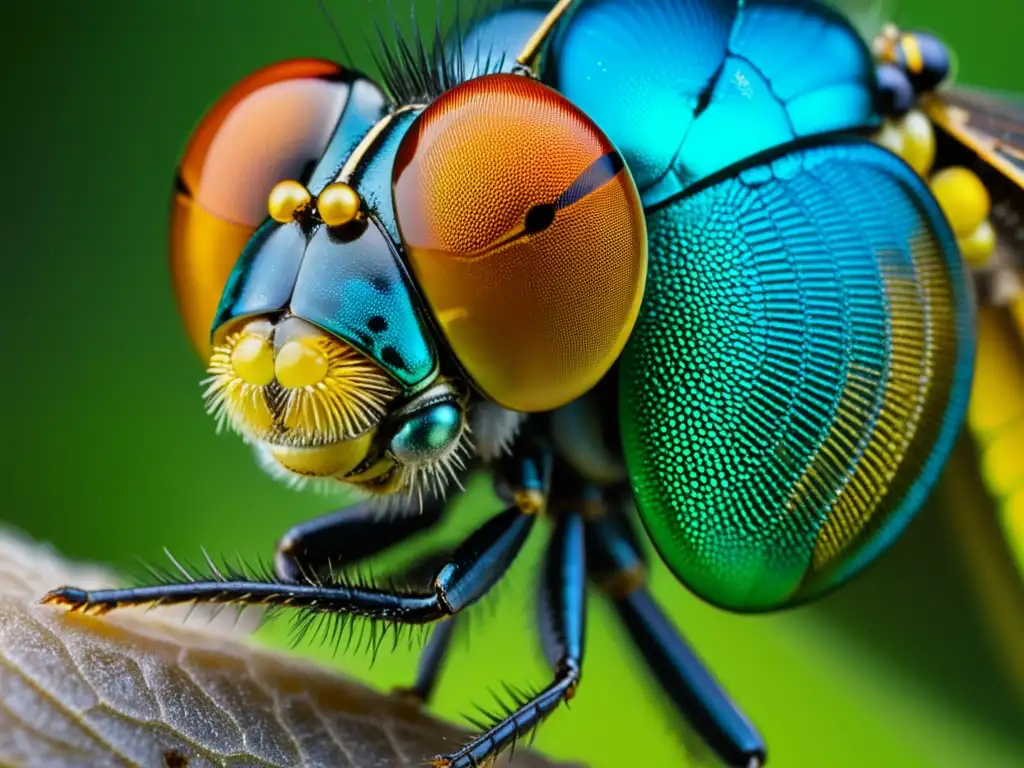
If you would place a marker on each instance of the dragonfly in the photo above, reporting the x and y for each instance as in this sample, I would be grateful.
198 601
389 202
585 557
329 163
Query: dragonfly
636 261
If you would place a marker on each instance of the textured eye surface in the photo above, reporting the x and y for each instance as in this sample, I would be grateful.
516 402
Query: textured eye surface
526 236
274 125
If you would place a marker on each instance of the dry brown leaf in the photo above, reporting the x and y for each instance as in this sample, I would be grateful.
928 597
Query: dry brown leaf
142 689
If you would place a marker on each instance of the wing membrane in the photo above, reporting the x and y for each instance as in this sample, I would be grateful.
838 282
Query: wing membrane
990 124
984 131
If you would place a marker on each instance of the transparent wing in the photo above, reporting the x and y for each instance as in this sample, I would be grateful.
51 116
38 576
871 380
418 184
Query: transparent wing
987 123
984 131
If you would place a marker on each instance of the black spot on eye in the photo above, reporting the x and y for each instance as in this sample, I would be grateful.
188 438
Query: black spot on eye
390 356
174 759
377 324
539 218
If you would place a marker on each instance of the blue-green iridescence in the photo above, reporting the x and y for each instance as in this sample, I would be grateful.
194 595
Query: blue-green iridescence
365 106
359 291
264 276
371 178
356 289
798 373
427 434
687 88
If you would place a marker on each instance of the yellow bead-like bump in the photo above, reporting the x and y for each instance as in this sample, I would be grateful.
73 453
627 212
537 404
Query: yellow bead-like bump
288 199
338 204
977 248
253 360
300 363
918 141
891 137
963 199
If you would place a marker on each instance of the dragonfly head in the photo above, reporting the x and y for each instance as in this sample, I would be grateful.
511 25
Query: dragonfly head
322 357
380 277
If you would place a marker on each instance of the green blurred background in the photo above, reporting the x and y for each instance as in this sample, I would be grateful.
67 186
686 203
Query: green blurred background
110 455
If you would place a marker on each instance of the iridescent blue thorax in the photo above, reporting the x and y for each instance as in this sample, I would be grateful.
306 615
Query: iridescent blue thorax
686 89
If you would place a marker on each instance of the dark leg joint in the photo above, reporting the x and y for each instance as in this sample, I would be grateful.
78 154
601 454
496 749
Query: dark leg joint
524 477
475 567
569 672
615 566
563 623
431 664
482 560
311 550
505 732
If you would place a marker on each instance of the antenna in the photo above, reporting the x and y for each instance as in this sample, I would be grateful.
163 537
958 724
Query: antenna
337 33
528 56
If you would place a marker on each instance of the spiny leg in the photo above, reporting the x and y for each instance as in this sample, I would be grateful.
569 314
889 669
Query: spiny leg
431 664
435 652
478 563
619 572
314 548
563 625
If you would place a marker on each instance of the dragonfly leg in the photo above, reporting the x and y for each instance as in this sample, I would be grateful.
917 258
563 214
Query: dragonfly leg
478 563
435 651
563 620
619 572
314 548
431 664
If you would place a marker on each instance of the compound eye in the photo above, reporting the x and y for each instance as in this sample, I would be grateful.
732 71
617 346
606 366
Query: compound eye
525 233
271 127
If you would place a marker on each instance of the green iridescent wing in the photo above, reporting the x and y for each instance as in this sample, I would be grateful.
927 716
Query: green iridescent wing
798 373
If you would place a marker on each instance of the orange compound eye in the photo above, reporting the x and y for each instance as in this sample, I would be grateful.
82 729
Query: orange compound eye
526 235
276 125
